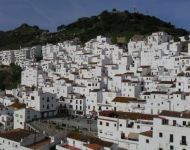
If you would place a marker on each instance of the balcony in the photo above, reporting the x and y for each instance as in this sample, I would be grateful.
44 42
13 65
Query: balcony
183 143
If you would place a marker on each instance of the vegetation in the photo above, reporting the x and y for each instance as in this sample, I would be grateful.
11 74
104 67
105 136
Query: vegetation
23 36
120 26
117 24
9 76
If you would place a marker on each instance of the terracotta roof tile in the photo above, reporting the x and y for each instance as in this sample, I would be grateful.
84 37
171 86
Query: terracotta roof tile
177 114
127 115
126 99
90 139
40 144
94 146
16 135
18 105
147 133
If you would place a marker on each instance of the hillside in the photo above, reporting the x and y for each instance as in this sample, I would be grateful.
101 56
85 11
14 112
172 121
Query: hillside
113 24
119 24
24 36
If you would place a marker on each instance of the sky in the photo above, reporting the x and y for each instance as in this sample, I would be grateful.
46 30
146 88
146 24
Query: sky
48 14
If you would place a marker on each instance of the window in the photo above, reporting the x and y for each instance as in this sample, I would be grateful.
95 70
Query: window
160 134
174 122
171 147
171 138
147 140
120 125
115 108
184 123
100 122
32 97
107 124
183 140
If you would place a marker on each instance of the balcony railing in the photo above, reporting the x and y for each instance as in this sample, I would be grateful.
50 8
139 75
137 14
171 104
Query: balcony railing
183 143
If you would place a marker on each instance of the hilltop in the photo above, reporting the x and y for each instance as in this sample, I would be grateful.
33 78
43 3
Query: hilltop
119 24
114 24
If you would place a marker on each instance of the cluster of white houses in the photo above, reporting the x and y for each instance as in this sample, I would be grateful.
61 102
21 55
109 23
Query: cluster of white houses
140 95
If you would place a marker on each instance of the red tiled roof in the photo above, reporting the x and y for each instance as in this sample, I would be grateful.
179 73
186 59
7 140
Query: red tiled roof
147 133
16 134
18 105
94 146
39 144
71 147
177 114
126 99
127 115
88 138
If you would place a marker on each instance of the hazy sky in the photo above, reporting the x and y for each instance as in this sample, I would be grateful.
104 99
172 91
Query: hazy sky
51 13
